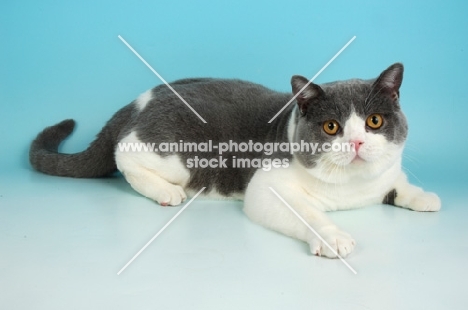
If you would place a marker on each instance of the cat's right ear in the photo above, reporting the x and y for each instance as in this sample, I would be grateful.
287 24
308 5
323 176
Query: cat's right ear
304 91
389 81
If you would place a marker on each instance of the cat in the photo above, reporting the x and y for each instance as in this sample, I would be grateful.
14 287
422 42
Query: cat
366 114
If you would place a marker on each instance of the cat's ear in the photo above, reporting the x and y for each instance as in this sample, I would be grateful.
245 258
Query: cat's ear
304 92
390 80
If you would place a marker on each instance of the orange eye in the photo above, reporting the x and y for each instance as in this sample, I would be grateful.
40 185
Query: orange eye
374 121
331 127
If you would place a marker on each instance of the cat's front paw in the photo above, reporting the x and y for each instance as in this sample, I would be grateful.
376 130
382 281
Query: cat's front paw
341 242
425 202
170 195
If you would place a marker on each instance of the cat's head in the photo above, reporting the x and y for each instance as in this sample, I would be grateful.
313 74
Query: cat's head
360 119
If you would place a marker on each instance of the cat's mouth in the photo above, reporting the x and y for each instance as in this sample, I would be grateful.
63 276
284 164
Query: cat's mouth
358 159
350 160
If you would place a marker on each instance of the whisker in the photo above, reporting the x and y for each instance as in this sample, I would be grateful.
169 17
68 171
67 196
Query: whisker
409 171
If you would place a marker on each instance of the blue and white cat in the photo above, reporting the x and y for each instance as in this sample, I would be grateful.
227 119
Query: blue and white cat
366 114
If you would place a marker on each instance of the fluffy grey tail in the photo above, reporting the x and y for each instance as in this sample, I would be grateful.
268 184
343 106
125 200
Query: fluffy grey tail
96 161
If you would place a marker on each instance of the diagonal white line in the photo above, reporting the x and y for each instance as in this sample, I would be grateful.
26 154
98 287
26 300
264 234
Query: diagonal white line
313 230
161 78
160 231
312 79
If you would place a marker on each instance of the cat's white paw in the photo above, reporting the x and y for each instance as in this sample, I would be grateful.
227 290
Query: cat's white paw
170 195
341 242
425 202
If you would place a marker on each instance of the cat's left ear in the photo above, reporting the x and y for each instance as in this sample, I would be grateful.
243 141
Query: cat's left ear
389 81
305 92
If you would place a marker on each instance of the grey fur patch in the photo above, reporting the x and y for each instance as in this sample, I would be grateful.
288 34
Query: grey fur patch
389 199
234 110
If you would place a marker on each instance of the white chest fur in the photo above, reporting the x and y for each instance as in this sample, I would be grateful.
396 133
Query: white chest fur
355 193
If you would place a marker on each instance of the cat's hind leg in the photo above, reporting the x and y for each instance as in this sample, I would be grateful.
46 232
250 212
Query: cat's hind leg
160 178
151 185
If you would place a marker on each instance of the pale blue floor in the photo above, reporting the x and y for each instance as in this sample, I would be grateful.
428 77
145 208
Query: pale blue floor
63 241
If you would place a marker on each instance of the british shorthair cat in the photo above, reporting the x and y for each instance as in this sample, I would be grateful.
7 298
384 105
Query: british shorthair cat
247 155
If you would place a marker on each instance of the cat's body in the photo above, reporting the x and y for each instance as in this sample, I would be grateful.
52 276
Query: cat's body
368 173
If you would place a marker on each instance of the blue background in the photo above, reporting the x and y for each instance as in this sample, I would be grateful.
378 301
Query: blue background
63 240
63 60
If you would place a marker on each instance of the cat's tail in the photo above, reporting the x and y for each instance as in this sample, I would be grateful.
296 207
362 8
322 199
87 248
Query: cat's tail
96 161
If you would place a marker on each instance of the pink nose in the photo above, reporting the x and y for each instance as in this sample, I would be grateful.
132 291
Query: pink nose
356 144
